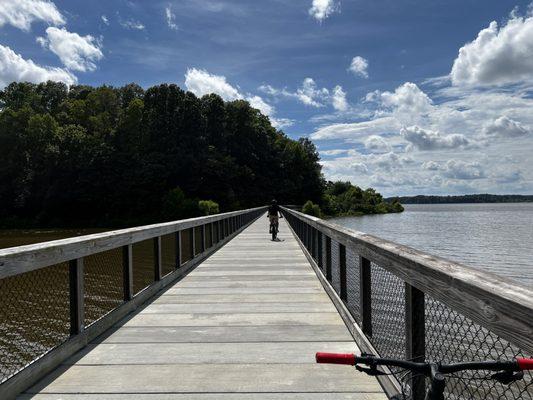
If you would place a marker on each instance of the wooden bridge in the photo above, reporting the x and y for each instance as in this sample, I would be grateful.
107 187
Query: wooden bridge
228 314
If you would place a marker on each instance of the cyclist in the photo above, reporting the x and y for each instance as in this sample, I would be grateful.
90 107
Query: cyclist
274 213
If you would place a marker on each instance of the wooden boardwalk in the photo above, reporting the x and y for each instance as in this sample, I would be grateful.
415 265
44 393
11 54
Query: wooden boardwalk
243 325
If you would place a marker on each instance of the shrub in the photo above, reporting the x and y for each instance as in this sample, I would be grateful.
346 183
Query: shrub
312 209
208 207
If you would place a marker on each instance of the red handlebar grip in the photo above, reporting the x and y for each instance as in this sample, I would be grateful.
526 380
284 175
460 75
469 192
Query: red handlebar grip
524 363
335 358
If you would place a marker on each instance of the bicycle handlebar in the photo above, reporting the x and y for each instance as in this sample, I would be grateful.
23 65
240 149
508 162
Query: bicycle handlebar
519 364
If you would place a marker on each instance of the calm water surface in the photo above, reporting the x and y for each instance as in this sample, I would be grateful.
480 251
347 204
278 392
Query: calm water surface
492 237
19 237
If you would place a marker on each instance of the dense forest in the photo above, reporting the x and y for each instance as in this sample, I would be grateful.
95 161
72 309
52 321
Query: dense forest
467 198
105 156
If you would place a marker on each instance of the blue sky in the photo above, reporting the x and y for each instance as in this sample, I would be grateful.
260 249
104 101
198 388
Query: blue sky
406 96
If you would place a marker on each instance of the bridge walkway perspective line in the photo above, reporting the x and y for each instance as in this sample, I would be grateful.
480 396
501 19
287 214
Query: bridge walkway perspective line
244 324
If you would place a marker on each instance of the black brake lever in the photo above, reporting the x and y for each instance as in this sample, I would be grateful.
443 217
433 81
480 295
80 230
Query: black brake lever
507 377
372 371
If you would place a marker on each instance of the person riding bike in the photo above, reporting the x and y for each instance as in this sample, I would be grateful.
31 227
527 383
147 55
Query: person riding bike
274 213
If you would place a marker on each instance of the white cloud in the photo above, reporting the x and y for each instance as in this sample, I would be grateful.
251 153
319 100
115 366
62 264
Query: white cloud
377 144
497 56
259 103
425 139
431 165
131 24
22 13
15 68
463 170
506 127
338 99
105 20
201 82
310 95
322 9
77 53
171 18
359 66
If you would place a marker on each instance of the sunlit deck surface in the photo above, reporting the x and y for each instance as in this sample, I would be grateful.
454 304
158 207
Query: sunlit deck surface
245 324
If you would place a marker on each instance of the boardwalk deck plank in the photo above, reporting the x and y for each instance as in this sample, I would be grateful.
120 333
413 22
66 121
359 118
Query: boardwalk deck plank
243 325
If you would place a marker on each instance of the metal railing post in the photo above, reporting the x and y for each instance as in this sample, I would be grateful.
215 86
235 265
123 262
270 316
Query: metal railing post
127 271
415 335
365 293
76 290
342 272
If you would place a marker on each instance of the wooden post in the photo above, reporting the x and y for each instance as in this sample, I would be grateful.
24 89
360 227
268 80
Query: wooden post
313 242
76 289
193 243
178 249
342 272
320 262
157 259
415 335
365 294
328 258
202 231
212 231
127 271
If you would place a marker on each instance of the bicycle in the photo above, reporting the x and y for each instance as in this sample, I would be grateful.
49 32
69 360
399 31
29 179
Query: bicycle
506 372
274 228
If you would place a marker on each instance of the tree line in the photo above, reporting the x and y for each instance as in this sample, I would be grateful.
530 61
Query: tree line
467 198
122 156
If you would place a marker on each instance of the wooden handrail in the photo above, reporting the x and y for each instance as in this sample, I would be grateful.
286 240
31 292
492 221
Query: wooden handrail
498 304
21 259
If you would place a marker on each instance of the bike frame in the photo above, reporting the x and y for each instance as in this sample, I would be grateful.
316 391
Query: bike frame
509 370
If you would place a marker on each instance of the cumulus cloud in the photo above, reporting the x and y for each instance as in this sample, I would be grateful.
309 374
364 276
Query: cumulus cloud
310 95
322 9
497 56
13 67
463 170
359 66
22 13
170 18
200 82
425 139
506 127
338 99
261 105
431 166
105 20
77 53
407 99
377 144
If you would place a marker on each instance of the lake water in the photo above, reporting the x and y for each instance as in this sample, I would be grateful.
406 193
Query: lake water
491 237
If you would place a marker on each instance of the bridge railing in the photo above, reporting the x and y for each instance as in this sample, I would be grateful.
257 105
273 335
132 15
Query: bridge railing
56 296
402 303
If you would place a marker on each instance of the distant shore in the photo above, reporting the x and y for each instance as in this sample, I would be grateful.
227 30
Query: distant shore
469 198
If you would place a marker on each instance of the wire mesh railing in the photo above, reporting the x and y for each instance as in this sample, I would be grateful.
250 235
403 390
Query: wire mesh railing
411 305
52 292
